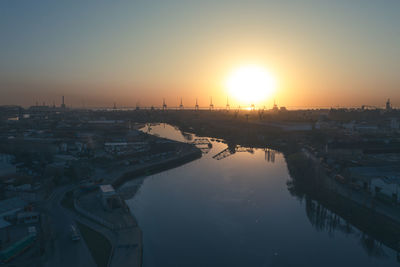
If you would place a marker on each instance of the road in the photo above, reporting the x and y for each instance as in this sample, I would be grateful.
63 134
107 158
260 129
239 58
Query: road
62 250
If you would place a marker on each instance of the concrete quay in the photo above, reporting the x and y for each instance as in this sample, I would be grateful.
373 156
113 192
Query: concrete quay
119 226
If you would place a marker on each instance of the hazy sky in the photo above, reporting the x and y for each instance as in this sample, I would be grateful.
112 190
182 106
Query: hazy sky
323 53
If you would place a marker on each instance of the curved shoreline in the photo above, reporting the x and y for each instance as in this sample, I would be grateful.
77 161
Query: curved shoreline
187 154
157 167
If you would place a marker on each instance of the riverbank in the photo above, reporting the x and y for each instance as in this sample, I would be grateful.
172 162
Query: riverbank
361 209
127 236
188 155
226 191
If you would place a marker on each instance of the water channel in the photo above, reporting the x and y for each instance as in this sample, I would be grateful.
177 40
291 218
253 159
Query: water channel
238 211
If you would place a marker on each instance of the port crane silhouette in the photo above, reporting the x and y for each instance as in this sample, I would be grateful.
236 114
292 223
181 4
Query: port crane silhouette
230 150
203 144
211 104
181 105
164 105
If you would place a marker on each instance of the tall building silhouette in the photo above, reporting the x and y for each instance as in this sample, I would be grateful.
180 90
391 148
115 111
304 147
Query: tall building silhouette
62 102
388 105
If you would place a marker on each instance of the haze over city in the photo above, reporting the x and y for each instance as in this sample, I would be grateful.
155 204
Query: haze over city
320 53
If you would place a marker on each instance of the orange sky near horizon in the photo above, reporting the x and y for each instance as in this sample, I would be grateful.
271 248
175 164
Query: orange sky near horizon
329 54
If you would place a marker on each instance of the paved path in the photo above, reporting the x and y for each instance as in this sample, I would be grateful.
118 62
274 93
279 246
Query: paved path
127 251
62 250
126 243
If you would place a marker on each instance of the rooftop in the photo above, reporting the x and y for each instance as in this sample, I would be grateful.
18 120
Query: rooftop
107 188
11 204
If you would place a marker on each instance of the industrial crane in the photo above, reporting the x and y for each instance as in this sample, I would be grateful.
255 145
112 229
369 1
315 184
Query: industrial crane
230 150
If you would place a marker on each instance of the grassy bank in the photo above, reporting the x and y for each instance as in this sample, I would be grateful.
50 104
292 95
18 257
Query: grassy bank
99 246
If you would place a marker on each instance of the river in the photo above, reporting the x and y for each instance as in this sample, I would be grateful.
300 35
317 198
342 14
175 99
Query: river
238 211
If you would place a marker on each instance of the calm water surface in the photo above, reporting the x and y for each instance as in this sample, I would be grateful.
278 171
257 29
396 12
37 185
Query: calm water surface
238 212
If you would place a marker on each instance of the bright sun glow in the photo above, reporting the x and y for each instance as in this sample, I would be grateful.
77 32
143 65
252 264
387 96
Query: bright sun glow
251 84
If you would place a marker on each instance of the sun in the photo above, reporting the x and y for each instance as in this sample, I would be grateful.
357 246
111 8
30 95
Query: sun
251 84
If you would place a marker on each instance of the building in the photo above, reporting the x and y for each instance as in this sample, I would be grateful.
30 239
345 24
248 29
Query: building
25 192
6 167
383 181
394 124
9 209
366 128
388 105
125 147
27 217
62 103
109 198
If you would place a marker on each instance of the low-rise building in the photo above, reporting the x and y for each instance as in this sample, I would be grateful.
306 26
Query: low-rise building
9 209
27 217
109 198
382 182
